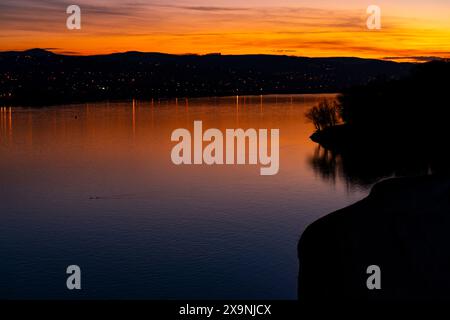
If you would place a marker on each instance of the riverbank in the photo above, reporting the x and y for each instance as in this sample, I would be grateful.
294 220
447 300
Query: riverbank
336 137
402 227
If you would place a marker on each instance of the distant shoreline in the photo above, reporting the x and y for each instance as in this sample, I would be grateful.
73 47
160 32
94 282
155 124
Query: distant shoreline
39 77
163 100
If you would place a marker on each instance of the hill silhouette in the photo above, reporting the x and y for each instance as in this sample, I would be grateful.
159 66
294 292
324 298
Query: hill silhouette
41 77
402 227
390 127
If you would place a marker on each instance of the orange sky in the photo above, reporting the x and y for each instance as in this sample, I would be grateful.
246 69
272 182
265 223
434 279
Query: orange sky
410 28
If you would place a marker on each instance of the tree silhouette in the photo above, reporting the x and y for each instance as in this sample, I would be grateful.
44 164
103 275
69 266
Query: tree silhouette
324 115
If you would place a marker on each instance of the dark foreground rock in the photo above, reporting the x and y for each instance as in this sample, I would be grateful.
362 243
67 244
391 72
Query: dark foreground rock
403 227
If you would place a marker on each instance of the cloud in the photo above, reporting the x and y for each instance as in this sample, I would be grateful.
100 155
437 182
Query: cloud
201 26
69 53
415 58
205 8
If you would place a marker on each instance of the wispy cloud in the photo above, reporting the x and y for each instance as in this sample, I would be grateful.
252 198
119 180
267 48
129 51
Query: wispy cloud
177 26
205 8
416 58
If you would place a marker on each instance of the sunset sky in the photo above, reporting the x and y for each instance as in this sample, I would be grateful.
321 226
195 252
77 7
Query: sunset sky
410 28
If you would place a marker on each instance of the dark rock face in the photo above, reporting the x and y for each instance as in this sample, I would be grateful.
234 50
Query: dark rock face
403 227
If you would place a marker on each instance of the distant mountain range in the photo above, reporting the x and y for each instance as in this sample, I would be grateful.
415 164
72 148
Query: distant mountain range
39 77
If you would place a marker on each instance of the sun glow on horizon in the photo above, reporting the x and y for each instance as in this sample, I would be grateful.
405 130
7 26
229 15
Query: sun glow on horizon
410 29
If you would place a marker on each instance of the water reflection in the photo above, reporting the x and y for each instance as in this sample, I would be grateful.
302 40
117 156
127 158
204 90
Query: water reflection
94 184
362 166
6 124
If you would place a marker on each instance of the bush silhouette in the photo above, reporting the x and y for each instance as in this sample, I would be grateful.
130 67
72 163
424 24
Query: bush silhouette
324 115
391 127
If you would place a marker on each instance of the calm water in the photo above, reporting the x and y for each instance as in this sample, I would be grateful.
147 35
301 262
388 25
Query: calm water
94 185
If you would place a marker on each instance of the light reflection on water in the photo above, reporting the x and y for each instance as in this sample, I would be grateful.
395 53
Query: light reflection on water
94 185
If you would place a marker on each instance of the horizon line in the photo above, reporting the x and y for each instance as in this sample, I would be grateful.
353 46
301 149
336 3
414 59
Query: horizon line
398 59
